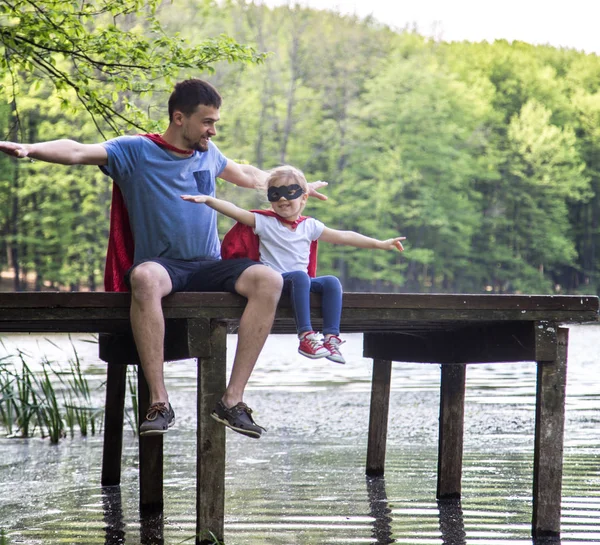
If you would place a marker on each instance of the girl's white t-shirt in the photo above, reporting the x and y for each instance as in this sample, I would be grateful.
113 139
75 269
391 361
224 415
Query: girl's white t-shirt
283 249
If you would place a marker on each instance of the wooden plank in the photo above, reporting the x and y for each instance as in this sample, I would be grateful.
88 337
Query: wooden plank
116 381
549 438
378 417
367 315
207 341
100 319
451 431
470 301
351 300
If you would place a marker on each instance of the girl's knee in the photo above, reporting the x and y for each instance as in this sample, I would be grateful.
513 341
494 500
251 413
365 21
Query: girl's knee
298 278
332 283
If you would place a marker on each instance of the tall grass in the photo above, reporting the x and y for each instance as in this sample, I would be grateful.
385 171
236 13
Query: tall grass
52 400
132 417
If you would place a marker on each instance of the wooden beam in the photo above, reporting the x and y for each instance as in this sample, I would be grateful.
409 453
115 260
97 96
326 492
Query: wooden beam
150 458
478 343
378 417
549 437
451 430
207 341
116 379
546 341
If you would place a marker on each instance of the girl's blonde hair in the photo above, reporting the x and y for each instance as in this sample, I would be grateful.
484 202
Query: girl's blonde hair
287 174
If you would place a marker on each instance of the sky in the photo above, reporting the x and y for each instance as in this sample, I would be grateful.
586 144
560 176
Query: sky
573 24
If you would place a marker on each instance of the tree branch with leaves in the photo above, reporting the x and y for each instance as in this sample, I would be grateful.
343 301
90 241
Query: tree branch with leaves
115 51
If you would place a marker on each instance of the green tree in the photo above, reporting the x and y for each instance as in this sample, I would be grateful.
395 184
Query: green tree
583 274
528 221
412 164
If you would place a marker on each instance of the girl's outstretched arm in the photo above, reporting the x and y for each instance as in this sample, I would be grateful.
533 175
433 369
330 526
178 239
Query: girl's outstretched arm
250 176
223 207
352 238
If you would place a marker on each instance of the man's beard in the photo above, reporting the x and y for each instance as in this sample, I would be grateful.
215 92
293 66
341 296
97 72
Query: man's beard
200 148
196 146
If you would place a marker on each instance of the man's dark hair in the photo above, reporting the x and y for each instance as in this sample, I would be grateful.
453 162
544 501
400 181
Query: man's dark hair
188 94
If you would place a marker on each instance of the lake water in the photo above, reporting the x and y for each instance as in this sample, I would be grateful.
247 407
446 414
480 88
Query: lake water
303 483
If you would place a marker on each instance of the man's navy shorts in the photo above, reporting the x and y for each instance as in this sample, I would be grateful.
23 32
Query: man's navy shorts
200 274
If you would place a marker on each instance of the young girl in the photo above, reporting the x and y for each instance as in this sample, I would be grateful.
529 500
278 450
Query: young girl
285 238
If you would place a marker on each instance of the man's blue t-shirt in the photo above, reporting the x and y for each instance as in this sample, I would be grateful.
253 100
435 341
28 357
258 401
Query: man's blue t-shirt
152 181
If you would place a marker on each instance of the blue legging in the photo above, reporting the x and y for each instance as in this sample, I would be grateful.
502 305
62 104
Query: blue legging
299 285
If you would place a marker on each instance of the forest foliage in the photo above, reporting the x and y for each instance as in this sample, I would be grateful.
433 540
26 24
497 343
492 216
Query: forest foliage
485 156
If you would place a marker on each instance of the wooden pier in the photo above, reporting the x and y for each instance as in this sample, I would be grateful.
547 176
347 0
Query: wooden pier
451 330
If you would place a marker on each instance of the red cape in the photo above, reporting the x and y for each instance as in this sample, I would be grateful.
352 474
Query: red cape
241 241
119 255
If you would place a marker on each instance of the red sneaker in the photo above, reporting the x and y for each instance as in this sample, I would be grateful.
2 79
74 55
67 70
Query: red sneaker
333 345
312 347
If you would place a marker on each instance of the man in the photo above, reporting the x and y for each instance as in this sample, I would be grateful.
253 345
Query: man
176 244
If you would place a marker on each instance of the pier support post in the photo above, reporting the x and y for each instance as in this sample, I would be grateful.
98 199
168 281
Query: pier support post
207 341
551 342
378 417
116 377
451 431
150 458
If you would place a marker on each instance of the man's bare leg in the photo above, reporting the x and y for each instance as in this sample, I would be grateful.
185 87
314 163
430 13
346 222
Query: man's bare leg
150 282
262 287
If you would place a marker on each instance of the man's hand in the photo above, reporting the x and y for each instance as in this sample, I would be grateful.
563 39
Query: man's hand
392 244
312 190
14 149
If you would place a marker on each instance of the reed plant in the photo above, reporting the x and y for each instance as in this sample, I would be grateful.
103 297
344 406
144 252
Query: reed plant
49 413
77 403
3 538
25 399
30 400
7 415
133 417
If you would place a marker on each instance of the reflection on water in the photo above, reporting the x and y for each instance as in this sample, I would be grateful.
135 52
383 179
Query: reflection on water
303 482
379 510
113 515
452 525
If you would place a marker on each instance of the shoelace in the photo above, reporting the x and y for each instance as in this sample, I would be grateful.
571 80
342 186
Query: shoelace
333 343
242 407
155 409
313 343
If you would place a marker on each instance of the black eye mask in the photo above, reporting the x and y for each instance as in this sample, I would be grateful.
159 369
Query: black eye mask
288 192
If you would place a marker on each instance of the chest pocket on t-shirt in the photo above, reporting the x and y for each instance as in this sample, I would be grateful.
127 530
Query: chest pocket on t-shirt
204 182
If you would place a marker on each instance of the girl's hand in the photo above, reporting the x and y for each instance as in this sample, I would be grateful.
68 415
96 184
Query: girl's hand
312 190
392 244
195 198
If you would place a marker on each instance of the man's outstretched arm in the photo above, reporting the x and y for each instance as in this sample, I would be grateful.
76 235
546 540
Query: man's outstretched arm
64 152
